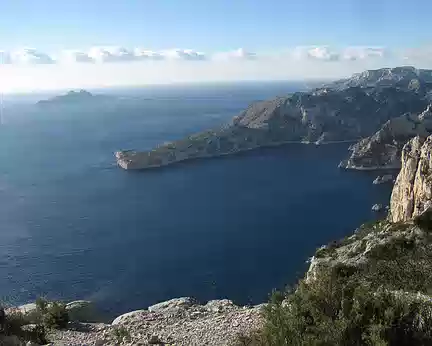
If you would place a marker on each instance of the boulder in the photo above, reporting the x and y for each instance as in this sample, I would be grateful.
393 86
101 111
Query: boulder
82 311
133 315
31 343
172 305
377 207
384 179
220 305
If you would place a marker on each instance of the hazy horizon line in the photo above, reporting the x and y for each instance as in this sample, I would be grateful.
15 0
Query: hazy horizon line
162 85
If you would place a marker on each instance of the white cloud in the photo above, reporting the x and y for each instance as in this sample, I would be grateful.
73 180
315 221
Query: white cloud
421 55
360 53
142 54
111 54
238 54
321 53
5 57
184 54
325 53
30 56
121 54
74 56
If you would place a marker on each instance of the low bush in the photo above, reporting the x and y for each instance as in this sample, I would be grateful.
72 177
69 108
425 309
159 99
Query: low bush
341 308
15 323
53 315
120 333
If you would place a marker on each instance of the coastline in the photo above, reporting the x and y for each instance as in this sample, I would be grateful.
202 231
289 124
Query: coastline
120 158
372 168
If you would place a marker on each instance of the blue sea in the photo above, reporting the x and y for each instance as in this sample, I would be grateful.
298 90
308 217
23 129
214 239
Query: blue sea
74 226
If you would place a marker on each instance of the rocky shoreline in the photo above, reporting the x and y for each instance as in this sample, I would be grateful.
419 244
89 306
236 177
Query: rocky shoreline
133 160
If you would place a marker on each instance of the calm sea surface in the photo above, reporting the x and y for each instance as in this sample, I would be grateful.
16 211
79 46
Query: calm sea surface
74 226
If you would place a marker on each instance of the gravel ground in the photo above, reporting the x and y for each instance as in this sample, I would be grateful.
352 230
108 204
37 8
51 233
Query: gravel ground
176 322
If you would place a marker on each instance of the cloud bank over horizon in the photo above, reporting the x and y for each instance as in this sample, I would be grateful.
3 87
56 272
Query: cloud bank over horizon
115 54
32 69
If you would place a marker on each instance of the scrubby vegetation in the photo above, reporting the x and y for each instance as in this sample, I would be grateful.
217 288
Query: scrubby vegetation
53 315
121 334
15 325
384 299
48 315
338 310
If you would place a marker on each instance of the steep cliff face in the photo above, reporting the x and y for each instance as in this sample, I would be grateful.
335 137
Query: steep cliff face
412 192
383 149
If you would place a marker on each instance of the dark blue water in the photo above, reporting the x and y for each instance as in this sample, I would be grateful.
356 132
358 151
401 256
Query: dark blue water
73 226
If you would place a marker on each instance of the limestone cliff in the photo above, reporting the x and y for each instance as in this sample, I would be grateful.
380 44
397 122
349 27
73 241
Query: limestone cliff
413 188
383 149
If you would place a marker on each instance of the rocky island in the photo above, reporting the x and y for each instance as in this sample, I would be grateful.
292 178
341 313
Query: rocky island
73 98
346 110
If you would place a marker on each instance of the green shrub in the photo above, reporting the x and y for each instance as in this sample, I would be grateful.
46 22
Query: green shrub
340 309
55 316
41 304
424 221
14 320
15 325
120 333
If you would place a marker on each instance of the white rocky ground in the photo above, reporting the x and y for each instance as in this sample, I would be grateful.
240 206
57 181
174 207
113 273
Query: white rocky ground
177 322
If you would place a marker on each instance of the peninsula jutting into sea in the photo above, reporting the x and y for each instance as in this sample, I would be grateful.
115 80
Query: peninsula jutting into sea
390 101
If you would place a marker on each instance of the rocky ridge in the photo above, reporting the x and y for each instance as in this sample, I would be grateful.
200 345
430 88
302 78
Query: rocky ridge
406 77
383 149
344 111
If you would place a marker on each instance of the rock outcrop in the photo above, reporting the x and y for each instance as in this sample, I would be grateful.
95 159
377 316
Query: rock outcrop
82 311
180 321
328 114
383 149
383 179
405 77
412 192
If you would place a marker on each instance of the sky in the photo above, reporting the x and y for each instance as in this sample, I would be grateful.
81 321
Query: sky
51 44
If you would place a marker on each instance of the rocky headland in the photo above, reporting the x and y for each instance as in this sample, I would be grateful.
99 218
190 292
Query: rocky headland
383 149
346 110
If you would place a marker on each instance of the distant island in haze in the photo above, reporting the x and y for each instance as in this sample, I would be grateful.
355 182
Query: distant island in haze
73 97
391 100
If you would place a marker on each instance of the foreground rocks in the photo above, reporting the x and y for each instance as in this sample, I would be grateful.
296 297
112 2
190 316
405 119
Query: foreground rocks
179 321
82 311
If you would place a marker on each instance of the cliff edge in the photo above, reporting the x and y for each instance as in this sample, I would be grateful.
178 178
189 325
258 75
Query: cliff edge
412 193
